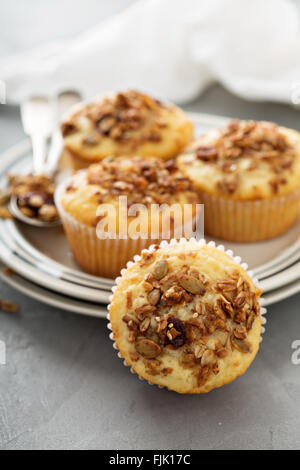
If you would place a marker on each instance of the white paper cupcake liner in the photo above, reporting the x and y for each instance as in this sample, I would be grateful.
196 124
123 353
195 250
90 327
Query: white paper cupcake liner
164 244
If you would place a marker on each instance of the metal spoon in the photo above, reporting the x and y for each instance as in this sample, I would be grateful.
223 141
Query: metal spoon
14 209
40 117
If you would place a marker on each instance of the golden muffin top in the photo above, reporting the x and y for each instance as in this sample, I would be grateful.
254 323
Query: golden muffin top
186 316
143 181
245 160
124 124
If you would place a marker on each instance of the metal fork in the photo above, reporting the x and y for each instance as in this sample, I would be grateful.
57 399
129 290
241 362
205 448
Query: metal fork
38 119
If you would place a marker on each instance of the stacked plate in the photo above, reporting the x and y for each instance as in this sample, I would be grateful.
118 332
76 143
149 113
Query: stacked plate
44 268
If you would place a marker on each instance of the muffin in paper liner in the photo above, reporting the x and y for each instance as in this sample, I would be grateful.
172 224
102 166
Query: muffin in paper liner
191 378
101 257
248 177
102 185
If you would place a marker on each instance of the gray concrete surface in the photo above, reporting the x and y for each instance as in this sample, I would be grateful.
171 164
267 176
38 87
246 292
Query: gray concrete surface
63 386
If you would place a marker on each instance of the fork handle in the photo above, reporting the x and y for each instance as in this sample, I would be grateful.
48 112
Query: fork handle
39 150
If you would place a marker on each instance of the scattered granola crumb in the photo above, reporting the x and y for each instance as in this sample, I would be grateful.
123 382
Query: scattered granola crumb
8 306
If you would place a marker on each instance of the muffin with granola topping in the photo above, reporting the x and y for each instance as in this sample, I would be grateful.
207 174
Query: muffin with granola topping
186 316
248 174
128 123
117 207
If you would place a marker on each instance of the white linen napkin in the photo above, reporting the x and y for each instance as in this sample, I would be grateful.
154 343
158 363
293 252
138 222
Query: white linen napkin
172 49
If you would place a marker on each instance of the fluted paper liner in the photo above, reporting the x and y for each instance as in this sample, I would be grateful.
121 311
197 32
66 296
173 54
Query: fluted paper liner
164 244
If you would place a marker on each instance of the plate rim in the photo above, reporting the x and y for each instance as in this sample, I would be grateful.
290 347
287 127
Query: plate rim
44 279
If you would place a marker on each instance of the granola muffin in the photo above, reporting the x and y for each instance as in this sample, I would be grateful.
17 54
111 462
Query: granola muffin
113 210
128 123
186 316
248 174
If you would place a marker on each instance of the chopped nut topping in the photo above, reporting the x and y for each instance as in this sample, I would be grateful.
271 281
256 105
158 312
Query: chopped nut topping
207 154
222 352
145 324
162 324
8 306
152 366
191 284
90 140
175 332
134 356
160 270
195 330
141 180
188 360
27 212
201 309
240 332
240 300
8 271
167 370
228 185
147 286
147 258
226 285
202 375
68 128
240 316
250 321
132 323
35 196
48 213
223 305
208 358
5 213
4 197
199 350
275 184
119 117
